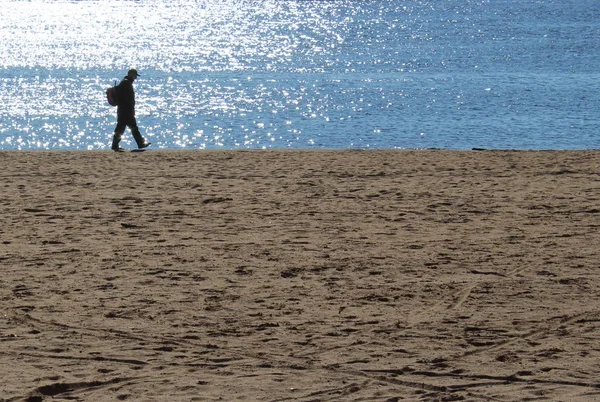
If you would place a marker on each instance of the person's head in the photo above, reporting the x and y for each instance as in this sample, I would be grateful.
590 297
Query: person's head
133 74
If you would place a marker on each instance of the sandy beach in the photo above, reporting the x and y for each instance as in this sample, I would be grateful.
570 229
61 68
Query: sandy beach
300 276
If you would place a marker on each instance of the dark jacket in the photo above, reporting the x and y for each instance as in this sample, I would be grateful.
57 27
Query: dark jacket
126 97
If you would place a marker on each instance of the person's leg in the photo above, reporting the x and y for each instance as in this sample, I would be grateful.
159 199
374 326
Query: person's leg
137 136
119 130
122 120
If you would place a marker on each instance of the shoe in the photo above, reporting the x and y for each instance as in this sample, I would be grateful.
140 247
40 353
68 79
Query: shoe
118 149
146 144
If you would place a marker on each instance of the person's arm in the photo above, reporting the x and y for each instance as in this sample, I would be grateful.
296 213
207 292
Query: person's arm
126 95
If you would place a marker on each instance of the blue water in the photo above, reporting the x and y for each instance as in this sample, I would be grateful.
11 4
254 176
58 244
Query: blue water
451 74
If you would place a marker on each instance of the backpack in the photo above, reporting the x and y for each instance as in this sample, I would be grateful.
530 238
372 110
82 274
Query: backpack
112 95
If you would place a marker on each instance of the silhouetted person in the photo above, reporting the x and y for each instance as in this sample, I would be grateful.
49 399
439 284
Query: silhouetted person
126 113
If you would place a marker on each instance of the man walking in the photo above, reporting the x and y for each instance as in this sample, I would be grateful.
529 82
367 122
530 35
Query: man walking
126 113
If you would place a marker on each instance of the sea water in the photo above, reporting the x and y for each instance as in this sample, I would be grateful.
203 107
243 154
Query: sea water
241 74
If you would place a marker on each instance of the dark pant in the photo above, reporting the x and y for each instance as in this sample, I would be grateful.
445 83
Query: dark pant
123 121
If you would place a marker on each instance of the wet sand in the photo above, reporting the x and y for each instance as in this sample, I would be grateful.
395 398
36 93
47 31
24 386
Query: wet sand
300 276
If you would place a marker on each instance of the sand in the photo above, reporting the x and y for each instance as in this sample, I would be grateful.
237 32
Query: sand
300 276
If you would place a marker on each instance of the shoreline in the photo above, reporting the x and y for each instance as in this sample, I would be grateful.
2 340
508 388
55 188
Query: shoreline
296 275
150 149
